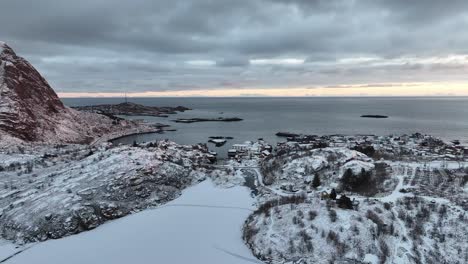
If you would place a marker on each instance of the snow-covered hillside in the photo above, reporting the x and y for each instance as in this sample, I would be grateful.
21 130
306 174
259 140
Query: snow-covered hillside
411 230
294 168
66 190
414 212
203 225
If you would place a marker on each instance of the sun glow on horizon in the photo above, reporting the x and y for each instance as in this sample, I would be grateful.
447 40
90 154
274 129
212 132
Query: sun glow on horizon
389 89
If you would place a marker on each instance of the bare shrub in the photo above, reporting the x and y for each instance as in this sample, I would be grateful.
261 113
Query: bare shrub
249 232
312 215
301 223
442 211
378 210
384 251
300 214
387 206
333 216
295 220
333 237
376 219
296 199
292 248
402 214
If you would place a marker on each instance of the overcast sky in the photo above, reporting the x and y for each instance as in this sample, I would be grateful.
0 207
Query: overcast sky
243 47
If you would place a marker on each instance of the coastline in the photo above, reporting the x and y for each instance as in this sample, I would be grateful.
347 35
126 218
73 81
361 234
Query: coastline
139 130
156 131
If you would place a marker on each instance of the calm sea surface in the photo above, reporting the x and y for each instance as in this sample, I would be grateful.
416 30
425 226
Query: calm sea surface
445 117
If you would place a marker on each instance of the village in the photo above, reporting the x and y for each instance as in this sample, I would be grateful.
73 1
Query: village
374 185
415 147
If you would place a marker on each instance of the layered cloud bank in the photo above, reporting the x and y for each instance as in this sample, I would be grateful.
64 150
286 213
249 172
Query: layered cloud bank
235 48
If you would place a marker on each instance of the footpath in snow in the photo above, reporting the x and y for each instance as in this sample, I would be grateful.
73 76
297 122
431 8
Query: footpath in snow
204 225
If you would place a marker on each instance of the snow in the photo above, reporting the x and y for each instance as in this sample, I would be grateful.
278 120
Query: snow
298 166
57 187
357 165
6 159
202 226
7 249
371 259
218 141
302 165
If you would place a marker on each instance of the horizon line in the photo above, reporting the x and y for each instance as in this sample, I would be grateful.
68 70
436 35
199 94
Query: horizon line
274 96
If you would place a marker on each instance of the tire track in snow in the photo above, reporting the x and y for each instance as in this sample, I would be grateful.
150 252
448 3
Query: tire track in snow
238 256
207 206
15 254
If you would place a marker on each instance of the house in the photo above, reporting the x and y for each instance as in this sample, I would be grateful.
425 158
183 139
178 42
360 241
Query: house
240 147
232 153
465 151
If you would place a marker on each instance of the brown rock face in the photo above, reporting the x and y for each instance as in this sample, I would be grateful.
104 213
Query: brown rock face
27 102
30 110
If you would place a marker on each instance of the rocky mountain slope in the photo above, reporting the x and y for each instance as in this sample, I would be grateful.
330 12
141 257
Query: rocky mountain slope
31 111
54 192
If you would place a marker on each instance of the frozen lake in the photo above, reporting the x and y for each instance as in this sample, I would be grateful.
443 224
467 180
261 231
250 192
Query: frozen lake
201 226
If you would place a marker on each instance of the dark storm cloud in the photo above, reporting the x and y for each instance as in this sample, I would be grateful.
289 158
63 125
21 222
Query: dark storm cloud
107 45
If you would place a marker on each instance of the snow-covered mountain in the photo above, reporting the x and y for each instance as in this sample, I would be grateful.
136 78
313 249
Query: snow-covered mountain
30 110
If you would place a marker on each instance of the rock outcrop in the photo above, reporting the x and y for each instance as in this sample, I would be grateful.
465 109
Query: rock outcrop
50 197
31 111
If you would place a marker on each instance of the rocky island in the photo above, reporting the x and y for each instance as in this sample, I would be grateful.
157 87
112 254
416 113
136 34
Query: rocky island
219 119
218 142
131 109
374 116
286 134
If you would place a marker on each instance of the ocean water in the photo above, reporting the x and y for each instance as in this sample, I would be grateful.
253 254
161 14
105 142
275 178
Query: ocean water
444 117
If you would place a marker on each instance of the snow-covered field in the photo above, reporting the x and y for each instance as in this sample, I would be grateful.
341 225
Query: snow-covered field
7 249
201 226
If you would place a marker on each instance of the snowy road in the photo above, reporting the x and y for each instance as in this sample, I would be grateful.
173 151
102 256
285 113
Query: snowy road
202 226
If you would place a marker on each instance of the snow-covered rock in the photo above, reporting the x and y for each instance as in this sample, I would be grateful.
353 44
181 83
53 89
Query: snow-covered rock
298 166
30 110
54 197
357 166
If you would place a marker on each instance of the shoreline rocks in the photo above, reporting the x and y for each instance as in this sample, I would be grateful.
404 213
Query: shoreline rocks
286 134
374 116
218 142
219 119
